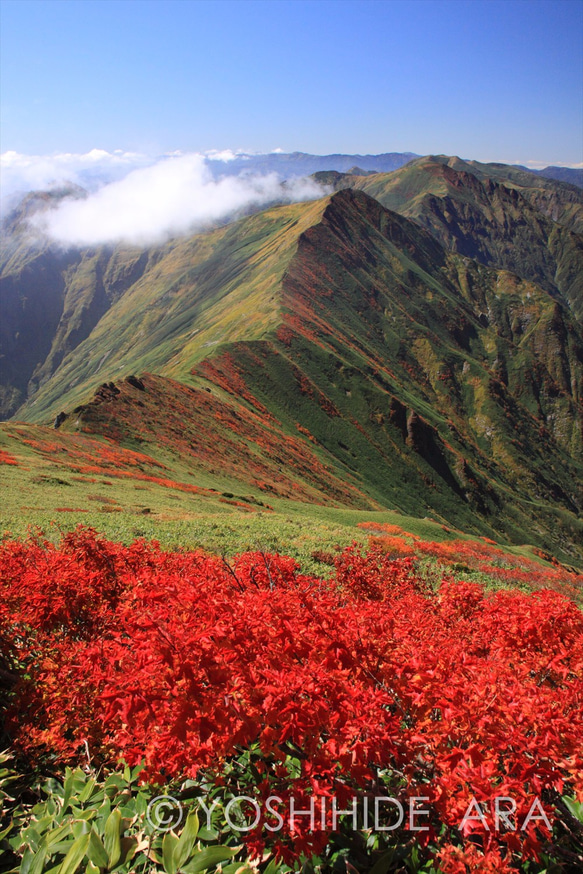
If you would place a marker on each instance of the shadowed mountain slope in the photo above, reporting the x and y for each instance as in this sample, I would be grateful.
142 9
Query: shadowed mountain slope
571 175
52 299
501 216
132 305
338 345
162 308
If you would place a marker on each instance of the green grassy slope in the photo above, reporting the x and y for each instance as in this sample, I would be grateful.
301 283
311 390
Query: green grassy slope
444 387
334 352
191 296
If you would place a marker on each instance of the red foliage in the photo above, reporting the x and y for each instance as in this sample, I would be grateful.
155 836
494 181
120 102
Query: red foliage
87 455
395 546
482 555
180 660
7 458
506 567
200 426
385 528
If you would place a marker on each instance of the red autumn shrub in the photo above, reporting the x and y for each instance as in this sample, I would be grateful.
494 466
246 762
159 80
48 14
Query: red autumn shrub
370 680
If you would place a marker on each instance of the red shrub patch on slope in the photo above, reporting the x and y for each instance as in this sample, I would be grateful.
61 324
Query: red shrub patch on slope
86 455
480 555
7 458
223 437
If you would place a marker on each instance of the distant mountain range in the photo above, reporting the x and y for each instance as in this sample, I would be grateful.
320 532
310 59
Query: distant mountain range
288 164
413 340
572 175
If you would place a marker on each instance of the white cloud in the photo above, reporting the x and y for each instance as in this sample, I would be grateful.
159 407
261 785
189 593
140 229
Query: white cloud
173 196
542 165
21 173
224 155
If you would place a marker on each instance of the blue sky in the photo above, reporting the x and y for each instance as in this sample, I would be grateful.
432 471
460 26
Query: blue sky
485 79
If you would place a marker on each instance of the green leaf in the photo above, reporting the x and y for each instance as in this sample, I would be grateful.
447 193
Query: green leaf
57 835
384 864
96 851
79 780
272 868
413 862
87 791
75 855
207 857
80 827
102 814
38 863
85 815
91 869
239 868
53 787
67 787
32 838
6 831
41 825
187 840
111 837
27 861
208 834
169 845
62 847
113 785
52 808
574 807
128 846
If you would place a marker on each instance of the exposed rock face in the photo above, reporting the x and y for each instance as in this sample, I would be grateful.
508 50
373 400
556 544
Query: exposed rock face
511 219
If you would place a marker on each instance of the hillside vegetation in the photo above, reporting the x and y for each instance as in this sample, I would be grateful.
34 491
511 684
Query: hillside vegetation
335 351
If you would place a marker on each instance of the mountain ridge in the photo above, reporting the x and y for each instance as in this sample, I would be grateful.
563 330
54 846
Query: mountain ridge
380 362
390 371
500 224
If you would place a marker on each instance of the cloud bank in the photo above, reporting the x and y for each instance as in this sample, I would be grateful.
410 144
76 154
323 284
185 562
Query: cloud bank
139 200
22 173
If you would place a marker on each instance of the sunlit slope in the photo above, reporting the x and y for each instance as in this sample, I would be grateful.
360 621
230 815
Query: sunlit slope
416 377
193 295
498 215
403 188
156 432
52 300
